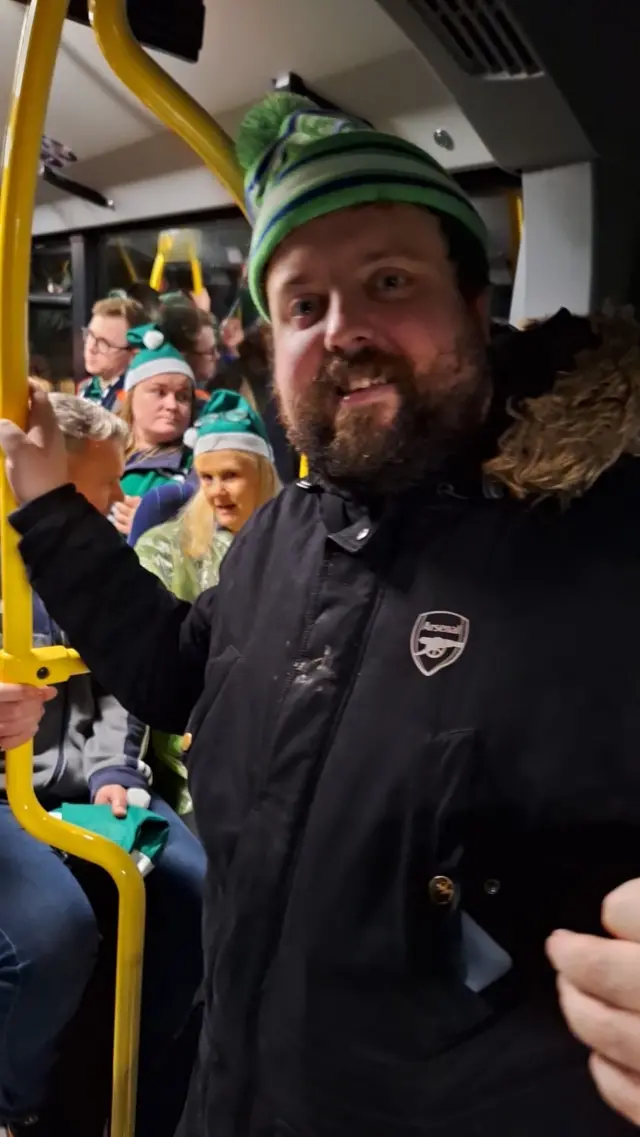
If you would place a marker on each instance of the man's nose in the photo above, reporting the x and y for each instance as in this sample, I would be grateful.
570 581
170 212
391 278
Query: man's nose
349 325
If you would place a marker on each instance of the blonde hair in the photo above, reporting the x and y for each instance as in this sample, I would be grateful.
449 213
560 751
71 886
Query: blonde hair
198 519
113 306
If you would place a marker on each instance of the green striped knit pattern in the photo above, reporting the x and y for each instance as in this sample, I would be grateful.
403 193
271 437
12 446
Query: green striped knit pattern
304 163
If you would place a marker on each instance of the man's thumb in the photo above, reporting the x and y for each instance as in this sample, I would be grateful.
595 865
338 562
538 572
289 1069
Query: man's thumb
41 414
11 436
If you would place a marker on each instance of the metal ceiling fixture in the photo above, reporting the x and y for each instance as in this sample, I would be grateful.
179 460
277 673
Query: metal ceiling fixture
483 38
55 156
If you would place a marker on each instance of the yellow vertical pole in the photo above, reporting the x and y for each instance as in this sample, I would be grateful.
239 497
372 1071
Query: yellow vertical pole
19 662
516 223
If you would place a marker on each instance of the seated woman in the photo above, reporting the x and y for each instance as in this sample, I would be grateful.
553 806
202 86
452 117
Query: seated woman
159 405
234 465
158 408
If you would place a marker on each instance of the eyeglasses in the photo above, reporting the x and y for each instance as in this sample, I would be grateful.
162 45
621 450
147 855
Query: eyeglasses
102 344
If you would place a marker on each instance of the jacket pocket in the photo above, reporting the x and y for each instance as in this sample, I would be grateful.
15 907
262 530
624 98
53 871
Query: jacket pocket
216 674
444 786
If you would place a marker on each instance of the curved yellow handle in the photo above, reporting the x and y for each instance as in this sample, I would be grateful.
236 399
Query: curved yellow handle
157 271
163 96
19 661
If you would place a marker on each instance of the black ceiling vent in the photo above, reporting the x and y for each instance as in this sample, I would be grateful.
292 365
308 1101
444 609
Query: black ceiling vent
481 36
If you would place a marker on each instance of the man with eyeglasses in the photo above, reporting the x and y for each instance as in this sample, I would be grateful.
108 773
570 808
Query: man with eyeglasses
106 351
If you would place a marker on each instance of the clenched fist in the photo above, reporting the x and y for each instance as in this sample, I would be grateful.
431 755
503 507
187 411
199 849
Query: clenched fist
21 708
36 460
599 989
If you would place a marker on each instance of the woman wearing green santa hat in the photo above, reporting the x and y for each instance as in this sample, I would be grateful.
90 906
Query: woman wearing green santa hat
233 460
158 407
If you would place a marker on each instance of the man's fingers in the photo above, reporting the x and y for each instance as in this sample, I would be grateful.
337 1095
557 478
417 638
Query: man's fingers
47 693
606 969
620 1088
10 741
43 426
612 1033
19 692
11 437
621 911
116 797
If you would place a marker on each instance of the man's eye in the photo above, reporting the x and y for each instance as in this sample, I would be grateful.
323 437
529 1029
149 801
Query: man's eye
304 308
391 281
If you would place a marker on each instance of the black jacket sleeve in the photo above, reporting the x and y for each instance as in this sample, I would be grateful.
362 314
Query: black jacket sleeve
143 645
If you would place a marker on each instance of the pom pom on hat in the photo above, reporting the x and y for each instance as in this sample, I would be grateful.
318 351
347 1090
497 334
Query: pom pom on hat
153 339
154 355
261 126
303 162
229 423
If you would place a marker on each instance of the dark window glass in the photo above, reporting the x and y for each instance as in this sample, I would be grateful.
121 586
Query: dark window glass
218 246
51 341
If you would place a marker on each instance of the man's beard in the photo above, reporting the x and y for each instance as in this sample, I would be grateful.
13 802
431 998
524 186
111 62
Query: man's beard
437 416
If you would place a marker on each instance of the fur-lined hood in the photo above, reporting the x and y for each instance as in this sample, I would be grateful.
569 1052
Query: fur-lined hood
566 403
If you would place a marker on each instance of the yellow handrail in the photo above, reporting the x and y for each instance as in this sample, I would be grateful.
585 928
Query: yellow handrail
163 96
516 223
19 662
126 260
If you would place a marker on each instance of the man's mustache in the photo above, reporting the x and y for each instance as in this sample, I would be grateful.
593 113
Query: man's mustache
338 371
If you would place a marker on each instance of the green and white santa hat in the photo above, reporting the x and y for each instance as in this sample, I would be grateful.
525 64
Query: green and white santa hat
154 355
302 162
229 423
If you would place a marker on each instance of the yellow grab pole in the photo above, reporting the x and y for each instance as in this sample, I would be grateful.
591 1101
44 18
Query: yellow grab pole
516 223
127 261
157 272
19 661
197 283
163 96
165 247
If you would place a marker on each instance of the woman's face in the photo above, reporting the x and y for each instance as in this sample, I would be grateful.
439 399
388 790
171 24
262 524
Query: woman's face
202 360
161 409
229 481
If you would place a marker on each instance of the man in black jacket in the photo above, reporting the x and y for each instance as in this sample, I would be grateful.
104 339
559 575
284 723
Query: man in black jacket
412 706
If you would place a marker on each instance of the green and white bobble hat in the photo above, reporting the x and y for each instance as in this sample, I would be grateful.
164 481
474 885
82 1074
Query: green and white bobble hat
229 423
302 162
154 356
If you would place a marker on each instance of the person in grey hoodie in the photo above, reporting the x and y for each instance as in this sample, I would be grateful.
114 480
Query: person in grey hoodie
87 748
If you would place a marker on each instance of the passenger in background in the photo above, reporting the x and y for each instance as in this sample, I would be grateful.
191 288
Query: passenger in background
158 407
107 352
148 297
236 474
87 748
249 372
193 332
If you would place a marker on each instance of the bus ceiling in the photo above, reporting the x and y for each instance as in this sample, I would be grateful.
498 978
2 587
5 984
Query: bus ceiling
551 90
175 27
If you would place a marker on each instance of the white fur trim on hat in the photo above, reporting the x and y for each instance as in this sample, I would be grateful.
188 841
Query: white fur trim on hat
249 443
153 367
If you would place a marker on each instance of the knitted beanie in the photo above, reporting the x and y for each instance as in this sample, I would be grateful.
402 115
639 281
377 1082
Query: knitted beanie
154 356
302 162
229 423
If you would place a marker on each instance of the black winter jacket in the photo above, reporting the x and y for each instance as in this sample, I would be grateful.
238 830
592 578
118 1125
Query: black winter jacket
414 726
